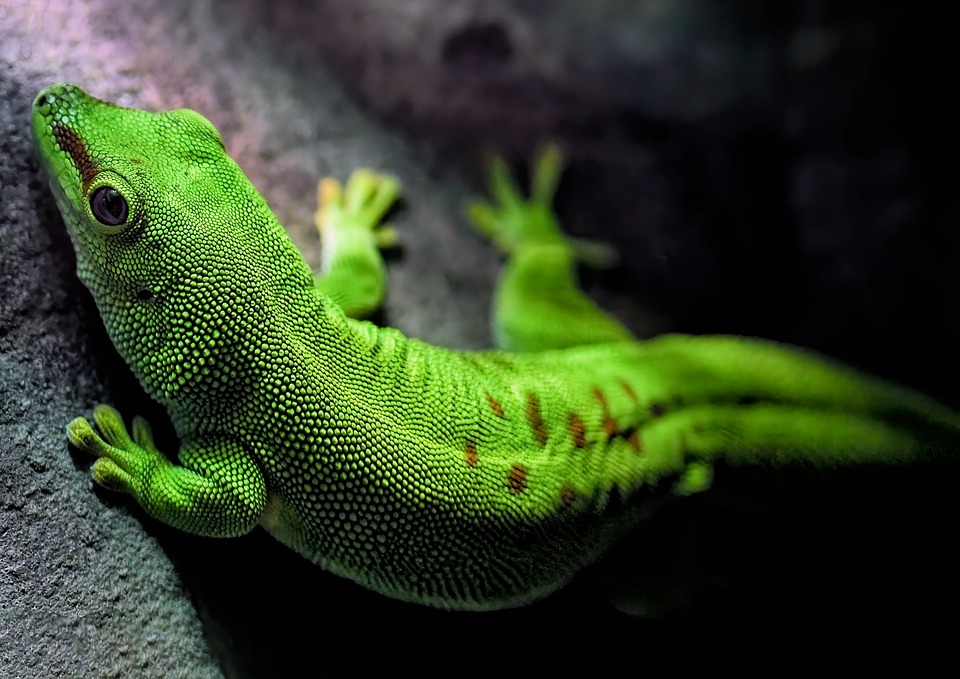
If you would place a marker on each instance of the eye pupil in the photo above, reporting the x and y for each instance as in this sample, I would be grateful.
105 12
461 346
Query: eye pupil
109 206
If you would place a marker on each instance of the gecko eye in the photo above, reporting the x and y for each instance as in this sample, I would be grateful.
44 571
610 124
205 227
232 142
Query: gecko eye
108 206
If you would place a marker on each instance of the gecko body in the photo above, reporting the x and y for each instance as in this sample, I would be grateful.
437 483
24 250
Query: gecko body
462 480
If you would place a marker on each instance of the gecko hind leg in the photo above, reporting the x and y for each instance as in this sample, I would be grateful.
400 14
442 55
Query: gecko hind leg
348 218
538 304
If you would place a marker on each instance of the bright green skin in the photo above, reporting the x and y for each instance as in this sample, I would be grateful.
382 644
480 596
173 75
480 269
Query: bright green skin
456 479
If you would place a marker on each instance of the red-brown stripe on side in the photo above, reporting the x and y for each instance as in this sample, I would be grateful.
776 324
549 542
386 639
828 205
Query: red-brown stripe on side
517 479
609 424
470 454
568 495
599 395
495 406
535 419
578 432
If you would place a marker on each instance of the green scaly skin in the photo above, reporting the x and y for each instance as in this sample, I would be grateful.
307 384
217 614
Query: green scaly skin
455 479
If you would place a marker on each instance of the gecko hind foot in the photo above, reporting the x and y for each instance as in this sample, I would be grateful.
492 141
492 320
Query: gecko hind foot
513 221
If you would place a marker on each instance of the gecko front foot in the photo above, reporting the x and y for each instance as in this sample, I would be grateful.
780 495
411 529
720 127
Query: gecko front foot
358 206
123 463
216 490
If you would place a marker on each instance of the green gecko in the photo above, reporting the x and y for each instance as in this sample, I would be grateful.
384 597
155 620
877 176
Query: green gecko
461 480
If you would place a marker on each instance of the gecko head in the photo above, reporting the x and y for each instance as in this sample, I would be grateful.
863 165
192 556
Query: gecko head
170 236
128 183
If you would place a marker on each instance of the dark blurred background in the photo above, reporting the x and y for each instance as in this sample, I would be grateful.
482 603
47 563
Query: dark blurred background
775 169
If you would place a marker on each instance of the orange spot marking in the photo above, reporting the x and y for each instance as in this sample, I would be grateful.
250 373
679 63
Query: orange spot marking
568 495
630 392
634 440
495 406
609 426
535 418
578 432
470 454
517 479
